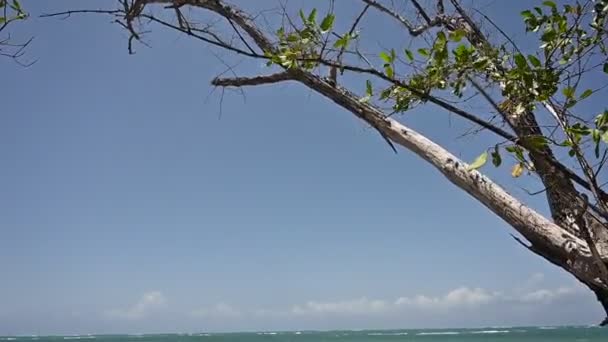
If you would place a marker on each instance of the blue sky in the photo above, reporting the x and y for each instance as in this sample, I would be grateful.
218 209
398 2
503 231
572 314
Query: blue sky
129 204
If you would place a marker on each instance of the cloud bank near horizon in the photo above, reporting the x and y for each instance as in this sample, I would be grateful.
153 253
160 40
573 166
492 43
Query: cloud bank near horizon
461 301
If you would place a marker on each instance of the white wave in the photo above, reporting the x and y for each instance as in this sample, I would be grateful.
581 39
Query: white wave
8 338
430 333
298 333
78 337
491 332
547 328
388 334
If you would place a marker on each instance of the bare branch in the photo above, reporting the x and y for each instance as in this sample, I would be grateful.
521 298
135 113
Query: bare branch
440 7
422 12
238 32
216 41
414 31
67 14
251 81
352 29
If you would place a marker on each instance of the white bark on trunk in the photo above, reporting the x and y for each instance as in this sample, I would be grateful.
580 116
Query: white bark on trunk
571 252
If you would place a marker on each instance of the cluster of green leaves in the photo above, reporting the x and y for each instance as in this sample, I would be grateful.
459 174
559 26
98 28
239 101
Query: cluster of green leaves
566 37
437 74
563 32
300 48
10 11
579 131
516 151
525 81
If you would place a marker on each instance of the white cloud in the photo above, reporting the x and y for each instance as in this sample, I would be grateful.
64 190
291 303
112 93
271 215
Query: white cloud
547 295
219 310
149 302
457 299
529 294
460 297
356 306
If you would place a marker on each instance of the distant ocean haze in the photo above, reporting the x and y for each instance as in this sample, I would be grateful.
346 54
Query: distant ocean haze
503 334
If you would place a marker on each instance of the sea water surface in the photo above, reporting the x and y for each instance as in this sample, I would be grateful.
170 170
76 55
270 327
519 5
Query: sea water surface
537 334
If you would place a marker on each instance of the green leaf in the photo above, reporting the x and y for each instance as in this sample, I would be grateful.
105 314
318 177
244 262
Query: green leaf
606 68
424 52
496 159
293 37
441 38
410 55
301 13
568 92
457 35
596 136
517 151
517 170
535 142
601 119
479 161
527 15
534 60
605 137
389 71
342 42
312 17
368 88
460 50
550 4
578 129
571 103
520 61
586 94
385 57
327 23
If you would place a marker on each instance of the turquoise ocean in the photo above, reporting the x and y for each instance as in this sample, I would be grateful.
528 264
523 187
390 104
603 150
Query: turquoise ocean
537 334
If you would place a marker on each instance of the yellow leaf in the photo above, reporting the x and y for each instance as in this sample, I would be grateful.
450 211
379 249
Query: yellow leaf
479 162
518 169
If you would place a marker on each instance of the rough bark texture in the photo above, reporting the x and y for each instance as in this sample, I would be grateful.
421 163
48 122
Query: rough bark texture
563 248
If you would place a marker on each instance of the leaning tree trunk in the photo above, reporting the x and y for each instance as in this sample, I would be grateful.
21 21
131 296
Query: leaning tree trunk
559 245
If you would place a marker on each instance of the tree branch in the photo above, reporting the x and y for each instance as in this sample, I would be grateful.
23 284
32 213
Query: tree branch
251 81
414 31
